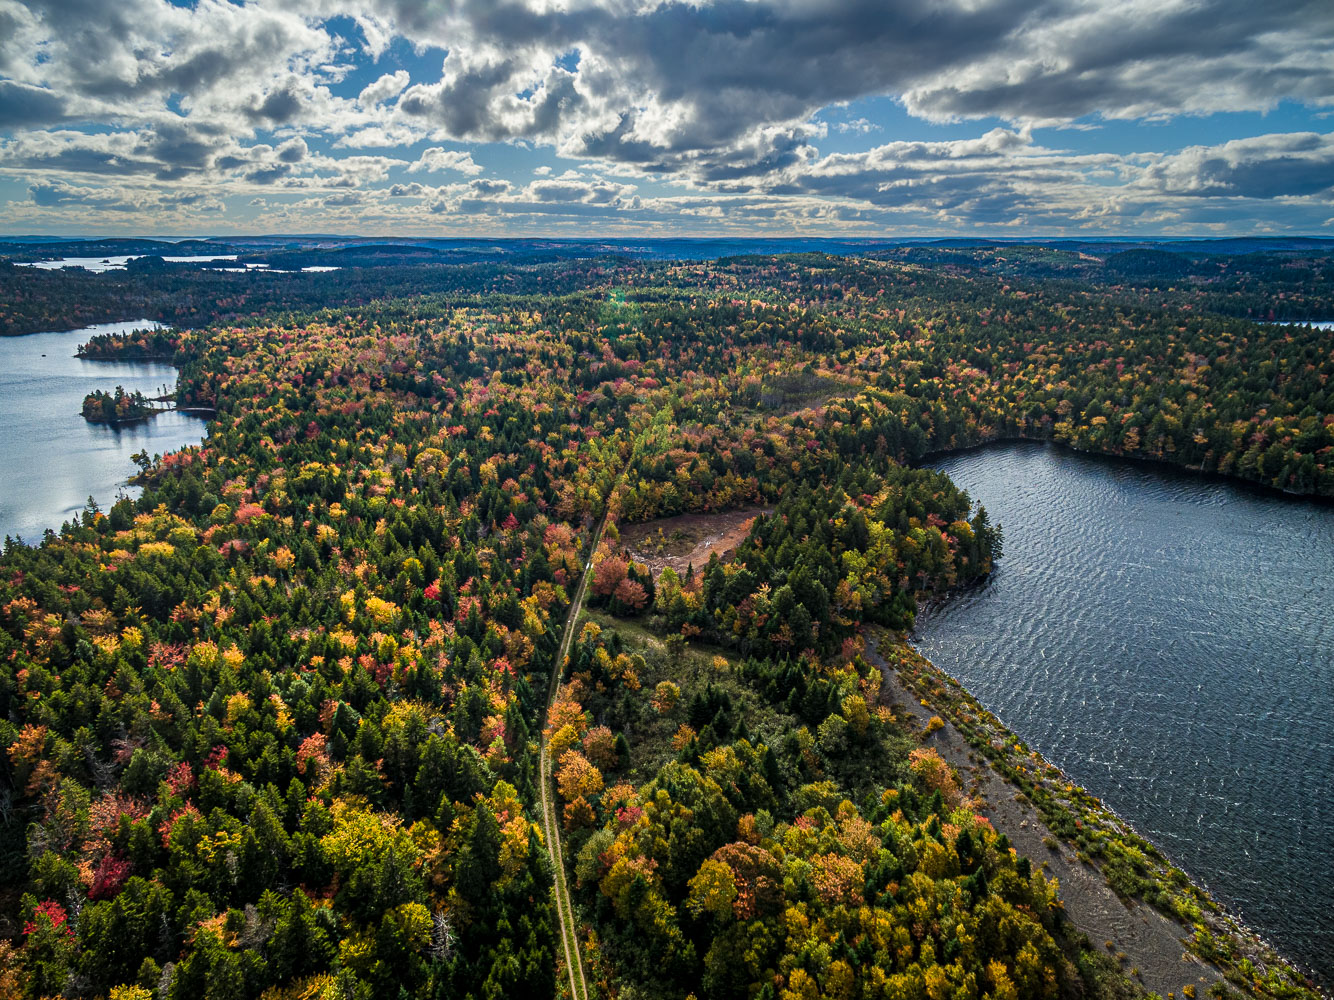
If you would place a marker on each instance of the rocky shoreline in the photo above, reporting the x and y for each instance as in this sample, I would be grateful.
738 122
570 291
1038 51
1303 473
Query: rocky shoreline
1174 940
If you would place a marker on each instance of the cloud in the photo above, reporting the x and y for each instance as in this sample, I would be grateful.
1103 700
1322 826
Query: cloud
1003 178
63 196
387 86
668 83
22 106
677 86
49 195
489 188
436 160
1283 165
857 126
573 187
293 150
1138 60
168 151
134 52
277 106
381 137
269 174
719 108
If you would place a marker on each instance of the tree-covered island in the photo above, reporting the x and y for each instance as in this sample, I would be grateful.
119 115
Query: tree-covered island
119 407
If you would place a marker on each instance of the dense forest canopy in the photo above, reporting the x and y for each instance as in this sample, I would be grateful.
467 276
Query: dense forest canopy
272 728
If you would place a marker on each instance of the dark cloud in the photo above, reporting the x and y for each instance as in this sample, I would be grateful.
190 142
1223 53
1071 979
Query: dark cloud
135 49
1129 61
723 88
22 106
179 145
276 107
571 190
48 195
489 188
66 196
269 174
94 157
293 151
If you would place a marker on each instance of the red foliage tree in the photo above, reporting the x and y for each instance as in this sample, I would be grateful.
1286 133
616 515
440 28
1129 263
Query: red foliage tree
609 574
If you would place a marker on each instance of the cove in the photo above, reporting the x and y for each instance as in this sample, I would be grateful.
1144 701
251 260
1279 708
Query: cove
1168 641
51 459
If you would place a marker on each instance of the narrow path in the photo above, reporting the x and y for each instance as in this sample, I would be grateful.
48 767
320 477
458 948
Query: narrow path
574 963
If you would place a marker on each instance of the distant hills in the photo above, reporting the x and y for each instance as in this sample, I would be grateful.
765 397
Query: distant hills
281 251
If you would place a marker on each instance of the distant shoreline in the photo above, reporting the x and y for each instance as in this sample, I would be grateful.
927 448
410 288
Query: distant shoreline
927 460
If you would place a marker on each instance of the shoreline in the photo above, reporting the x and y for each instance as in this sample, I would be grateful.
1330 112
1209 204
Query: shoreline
203 412
927 459
1213 937
162 359
55 487
86 325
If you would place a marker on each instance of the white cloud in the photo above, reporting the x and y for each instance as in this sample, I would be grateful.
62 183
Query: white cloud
436 160
387 86
857 126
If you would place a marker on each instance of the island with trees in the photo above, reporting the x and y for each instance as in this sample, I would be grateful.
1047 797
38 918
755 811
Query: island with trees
119 407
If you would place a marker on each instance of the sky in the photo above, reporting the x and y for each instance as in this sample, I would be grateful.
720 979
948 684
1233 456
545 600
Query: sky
641 118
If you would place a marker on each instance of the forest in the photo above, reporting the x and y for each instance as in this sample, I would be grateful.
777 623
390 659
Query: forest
273 728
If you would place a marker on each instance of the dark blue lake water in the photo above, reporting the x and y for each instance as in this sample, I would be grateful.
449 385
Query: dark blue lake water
1168 641
51 459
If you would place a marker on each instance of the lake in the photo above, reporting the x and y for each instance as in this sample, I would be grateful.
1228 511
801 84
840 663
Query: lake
52 459
100 264
1168 641
1324 324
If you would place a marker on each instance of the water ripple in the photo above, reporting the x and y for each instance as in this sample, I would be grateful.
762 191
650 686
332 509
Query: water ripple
1168 641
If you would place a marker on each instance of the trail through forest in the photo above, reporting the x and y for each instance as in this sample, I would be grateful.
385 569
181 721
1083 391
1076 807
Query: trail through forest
574 964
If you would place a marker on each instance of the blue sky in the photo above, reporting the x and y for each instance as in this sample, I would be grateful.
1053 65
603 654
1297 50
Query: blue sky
660 117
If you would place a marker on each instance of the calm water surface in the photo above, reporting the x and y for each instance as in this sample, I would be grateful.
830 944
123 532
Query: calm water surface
1324 324
51 459
99 264
1169 642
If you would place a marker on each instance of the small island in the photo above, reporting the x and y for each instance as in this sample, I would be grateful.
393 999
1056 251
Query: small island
120 407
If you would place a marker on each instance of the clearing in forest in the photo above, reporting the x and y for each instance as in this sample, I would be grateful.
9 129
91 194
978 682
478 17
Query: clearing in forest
688 539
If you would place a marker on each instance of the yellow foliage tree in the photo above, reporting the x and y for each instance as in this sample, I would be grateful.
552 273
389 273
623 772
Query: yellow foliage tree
712 890
577 776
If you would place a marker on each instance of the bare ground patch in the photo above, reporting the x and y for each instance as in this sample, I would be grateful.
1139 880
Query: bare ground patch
688 539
